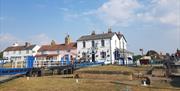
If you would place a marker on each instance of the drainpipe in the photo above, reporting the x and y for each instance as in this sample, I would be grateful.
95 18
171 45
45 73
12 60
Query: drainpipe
110 52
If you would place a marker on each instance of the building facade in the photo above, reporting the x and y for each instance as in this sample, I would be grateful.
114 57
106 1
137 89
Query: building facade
56 52
103 47
17 53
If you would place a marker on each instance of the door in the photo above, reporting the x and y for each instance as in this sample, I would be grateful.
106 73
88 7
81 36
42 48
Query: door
93 56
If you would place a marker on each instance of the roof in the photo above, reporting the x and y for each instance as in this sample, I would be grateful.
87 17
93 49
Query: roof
58 47
18 48
125 51
96 36
120 36
46 55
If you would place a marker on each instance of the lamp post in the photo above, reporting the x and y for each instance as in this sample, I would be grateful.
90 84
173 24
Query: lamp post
124 58
141 51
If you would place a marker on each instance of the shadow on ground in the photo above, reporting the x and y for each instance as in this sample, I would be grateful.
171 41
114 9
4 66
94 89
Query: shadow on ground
175 82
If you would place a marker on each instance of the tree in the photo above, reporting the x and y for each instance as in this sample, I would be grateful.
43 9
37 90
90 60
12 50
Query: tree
136 57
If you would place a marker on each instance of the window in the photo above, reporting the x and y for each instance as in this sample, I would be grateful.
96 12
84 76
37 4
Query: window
103 54
42 52
102 42
7 52
27 51
69 50
54 58
93 44
117 54
84 54
58 51
33 51
84 44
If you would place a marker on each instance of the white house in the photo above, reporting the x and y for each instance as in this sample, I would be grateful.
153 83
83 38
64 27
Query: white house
102 47
55 52
18 53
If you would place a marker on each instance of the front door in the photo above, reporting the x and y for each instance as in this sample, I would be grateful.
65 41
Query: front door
93 56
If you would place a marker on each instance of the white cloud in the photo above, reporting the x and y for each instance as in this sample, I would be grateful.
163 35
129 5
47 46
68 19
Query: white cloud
40 39
171 18
64 9
7 40
7 37
119 12
171 11
163 11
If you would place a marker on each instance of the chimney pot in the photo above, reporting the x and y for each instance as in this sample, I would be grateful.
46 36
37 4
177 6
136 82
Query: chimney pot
93 32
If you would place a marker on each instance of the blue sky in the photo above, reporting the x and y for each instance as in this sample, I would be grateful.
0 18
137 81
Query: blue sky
147 24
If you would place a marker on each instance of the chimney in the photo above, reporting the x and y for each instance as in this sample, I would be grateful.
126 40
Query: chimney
27 44
93 33
119 33
67 40
53 43
109 30
15 44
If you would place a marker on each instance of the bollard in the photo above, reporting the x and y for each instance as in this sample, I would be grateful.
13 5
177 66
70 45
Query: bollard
27 78
77 81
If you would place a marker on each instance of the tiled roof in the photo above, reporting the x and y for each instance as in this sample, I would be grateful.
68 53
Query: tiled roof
18 48
96 36
120 36
46 55
58 47
126 51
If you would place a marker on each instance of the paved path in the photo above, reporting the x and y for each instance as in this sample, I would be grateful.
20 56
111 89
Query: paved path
4 78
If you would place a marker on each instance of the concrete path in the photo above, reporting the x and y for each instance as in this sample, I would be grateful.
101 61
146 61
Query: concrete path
6 78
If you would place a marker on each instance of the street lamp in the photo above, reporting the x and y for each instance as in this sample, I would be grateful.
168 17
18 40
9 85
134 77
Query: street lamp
141 51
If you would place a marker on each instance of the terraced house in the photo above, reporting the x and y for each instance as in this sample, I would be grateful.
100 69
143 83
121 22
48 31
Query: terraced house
56 52
110 47
18 53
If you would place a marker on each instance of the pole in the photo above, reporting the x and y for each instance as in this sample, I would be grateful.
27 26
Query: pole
124 55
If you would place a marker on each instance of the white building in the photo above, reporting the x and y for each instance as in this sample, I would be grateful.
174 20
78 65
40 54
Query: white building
16 53
102 47
55 52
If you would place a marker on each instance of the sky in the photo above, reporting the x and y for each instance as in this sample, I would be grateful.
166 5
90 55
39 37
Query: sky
146 24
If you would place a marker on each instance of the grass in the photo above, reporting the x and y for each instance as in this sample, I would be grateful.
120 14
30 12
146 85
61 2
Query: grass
56 83
87 82
107 68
